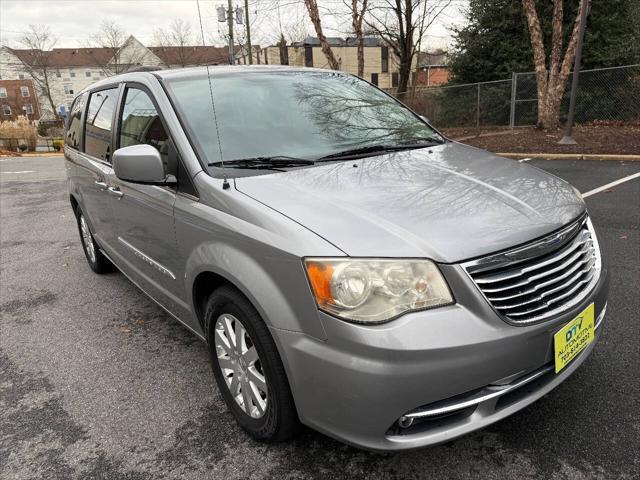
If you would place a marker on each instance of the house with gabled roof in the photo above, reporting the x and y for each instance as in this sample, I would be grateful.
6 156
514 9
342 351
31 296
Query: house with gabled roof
69 70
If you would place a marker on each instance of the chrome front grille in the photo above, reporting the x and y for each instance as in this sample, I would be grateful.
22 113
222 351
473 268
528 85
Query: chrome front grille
542 279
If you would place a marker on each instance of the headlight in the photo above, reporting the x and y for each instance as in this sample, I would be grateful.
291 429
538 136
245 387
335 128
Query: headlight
375 290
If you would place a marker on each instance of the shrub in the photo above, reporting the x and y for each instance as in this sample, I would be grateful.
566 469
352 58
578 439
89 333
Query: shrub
57 145
21 130
23 147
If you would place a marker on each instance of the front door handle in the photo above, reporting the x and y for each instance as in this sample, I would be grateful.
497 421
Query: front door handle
102 185
115 191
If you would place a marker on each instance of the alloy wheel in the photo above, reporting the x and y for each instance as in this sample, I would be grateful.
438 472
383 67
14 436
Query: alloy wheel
87 239
240 365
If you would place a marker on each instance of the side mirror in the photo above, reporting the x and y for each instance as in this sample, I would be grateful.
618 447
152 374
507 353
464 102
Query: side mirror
140 164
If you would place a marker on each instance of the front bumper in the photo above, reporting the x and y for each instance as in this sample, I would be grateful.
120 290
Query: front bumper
357 384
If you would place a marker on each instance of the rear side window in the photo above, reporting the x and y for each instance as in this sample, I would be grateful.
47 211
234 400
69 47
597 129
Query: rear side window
99 124
74 125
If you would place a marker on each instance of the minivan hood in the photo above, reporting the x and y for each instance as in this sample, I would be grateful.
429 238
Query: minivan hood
449 203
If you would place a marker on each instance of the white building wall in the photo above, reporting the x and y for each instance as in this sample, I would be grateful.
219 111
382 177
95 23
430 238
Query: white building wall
66 82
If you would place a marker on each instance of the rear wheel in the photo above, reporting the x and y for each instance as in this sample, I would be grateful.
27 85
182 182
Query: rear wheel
95 258
247 367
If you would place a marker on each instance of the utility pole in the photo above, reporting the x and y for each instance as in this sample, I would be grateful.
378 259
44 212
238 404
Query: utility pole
246 22
568 139
230 22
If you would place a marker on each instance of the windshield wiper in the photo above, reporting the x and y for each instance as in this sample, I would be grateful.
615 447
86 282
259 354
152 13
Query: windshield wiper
282 161
417 142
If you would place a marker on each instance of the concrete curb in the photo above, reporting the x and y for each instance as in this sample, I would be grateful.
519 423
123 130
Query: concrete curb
44 154
39 154
487 134
572 156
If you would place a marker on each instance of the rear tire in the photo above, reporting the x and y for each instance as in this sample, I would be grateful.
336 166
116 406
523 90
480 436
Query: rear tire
245 360
95 258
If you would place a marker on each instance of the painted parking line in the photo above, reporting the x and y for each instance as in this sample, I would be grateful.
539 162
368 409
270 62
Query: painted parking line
22 171
524 160
609 185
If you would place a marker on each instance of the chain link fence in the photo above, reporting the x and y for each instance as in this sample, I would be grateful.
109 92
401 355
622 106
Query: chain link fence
606 94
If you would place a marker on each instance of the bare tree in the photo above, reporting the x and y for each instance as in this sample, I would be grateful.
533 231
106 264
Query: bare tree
314 15
112 38
38 62
358 11
402 23
179 36
552 81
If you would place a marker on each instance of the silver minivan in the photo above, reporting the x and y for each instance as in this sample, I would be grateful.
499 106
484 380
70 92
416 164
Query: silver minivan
349 267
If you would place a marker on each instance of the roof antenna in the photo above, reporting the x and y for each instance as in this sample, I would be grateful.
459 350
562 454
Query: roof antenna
225 182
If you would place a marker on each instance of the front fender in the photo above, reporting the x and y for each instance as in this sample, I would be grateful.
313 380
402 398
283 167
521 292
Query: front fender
276 285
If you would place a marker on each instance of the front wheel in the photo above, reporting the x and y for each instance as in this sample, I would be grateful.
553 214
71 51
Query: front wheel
247 367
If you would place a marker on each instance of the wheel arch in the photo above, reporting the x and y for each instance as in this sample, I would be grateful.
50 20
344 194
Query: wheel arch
204 284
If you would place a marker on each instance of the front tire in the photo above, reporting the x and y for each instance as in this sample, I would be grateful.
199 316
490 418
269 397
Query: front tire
95 258
247 367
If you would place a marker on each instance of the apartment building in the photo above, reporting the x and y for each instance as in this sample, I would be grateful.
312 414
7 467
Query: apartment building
70 70
381 65
18 97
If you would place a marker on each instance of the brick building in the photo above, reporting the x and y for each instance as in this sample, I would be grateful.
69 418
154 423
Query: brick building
432 69
18 97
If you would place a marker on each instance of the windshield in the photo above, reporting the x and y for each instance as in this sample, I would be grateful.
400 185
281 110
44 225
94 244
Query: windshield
304 115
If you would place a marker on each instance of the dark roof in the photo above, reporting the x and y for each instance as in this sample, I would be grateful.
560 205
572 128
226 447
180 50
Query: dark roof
67 57
314 42
198 55
436 58
367 41
340 42
92 57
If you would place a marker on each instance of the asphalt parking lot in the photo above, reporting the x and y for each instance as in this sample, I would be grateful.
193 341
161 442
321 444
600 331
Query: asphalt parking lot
96 381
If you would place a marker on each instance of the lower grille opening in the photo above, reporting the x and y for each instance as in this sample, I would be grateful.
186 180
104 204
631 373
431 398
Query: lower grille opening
446 413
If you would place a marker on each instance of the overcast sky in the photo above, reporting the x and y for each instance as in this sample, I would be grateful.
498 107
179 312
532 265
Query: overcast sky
73 22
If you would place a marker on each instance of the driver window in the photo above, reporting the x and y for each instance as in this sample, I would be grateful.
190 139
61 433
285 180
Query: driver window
140 123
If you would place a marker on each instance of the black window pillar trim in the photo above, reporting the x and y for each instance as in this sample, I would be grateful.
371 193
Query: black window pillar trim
120 107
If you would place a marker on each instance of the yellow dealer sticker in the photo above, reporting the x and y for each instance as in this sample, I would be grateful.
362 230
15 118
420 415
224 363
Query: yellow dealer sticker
574 337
